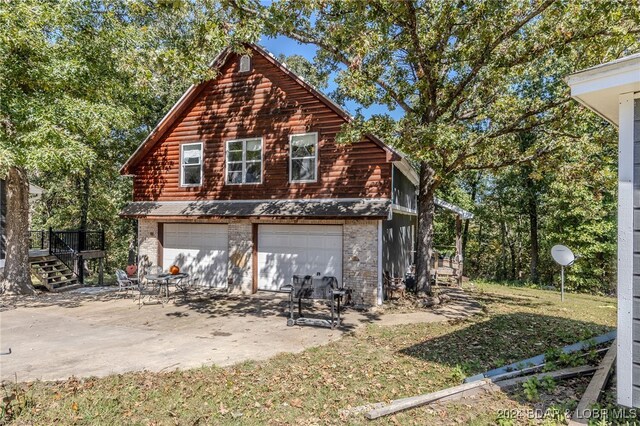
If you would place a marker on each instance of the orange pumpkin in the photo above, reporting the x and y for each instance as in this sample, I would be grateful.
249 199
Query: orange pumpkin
131 270
174 269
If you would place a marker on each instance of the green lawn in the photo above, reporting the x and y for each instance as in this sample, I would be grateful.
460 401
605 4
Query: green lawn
374 364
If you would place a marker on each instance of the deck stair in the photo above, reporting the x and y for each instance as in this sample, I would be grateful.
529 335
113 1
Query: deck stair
53 273
446 271
58 258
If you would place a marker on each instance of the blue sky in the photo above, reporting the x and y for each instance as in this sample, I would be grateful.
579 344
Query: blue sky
284 45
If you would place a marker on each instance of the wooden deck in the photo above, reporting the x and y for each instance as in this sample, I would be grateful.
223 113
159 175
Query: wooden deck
446 270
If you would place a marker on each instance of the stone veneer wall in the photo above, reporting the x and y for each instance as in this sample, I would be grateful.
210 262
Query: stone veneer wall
240 257
360 260
148 243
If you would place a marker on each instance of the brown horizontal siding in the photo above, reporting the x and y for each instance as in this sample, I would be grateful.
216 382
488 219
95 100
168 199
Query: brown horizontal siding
271 105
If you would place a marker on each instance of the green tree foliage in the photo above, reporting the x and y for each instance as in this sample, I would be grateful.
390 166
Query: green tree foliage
318 78
575 195
81 83
468 76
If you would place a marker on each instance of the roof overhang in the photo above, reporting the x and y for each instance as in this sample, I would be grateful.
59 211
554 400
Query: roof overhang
307 208
598 88
453 208
35 190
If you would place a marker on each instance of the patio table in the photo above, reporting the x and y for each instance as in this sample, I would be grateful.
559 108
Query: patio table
164 280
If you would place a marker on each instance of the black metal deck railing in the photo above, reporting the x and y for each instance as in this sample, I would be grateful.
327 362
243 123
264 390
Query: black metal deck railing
81 240
63 251
68 246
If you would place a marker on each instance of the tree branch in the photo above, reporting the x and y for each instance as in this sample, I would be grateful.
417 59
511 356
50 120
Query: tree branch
337 54
512 128
488 50
526 159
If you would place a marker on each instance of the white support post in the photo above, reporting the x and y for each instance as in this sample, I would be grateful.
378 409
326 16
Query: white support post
625 251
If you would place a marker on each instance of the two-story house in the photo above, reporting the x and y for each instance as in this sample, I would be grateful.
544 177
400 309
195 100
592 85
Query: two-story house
242 184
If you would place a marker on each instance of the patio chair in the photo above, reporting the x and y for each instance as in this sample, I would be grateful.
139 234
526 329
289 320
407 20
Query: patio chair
155 269
187 285
124 281
149 270
393 285
151 290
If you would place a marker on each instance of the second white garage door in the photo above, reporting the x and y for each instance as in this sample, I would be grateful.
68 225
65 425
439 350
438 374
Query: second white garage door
285 250
200 250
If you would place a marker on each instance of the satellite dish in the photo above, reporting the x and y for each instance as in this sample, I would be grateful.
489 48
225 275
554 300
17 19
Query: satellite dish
562 255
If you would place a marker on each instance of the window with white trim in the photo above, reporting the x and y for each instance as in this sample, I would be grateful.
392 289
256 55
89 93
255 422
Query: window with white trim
303 157
191 164
244 161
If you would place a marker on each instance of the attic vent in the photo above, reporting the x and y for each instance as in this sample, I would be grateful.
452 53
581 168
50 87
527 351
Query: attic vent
245 63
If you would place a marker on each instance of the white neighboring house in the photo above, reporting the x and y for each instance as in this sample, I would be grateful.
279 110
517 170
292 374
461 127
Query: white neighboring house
34 193
612 90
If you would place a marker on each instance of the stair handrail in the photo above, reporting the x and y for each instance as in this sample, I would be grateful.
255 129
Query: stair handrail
54 240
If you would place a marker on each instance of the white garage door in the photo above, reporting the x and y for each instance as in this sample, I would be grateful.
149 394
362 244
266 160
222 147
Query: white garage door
286 250
200 250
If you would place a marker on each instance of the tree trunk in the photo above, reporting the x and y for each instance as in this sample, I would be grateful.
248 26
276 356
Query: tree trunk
426 211
502 272
512 255
465 232
17 271
533 234
85 194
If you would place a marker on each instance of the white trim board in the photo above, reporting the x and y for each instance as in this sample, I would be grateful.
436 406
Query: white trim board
395 208
625 252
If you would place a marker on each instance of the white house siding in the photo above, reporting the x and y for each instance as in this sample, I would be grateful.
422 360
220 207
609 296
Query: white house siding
635 351
611 90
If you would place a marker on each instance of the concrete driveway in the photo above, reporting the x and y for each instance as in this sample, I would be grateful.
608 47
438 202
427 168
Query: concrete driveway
53 337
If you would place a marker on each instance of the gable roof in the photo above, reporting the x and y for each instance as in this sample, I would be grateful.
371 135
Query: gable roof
192 92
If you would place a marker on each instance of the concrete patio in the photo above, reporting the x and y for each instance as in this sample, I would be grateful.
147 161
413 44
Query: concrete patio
55 336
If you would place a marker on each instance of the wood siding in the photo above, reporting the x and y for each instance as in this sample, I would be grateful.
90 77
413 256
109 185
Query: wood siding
267 103
404 192
398 244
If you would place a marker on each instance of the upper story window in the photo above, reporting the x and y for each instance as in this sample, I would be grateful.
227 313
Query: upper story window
245 63
244 161
191 164
303 157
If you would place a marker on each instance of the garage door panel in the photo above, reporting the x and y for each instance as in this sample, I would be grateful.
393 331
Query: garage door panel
200 250
286 250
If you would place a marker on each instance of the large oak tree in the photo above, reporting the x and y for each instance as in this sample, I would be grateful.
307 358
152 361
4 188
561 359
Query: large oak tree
469 76
81 82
